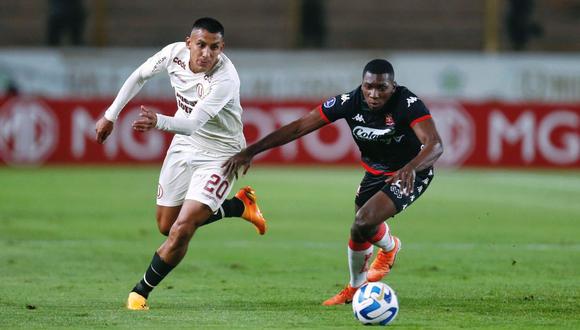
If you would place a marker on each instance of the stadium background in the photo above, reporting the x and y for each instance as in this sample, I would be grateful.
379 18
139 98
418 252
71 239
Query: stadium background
502 79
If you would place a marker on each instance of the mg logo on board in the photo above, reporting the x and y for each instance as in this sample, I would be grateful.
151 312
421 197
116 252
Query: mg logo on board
28 132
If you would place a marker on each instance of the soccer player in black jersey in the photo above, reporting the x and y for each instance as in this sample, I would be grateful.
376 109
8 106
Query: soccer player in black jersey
399 144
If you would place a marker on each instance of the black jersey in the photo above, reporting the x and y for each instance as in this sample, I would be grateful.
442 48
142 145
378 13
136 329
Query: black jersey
384 137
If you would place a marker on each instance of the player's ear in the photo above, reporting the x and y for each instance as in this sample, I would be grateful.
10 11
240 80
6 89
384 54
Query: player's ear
187 41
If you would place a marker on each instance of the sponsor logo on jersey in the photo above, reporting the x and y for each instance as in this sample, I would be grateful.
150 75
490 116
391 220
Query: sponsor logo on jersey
373 134
344 98
330 102
185 104
359 118
411 100
179 62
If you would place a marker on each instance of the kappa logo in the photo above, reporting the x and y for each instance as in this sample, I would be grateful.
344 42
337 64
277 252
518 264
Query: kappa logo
359 118
344 98
330 102
411 100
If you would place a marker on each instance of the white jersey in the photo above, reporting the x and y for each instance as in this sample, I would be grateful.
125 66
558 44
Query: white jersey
216 92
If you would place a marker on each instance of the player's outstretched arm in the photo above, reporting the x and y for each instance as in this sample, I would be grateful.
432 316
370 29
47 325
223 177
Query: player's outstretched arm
431 151
296 129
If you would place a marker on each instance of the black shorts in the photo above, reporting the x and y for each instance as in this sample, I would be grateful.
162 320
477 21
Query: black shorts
371 184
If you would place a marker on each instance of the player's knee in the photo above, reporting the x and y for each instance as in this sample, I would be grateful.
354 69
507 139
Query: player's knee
164 223
363 224
163 227
181 232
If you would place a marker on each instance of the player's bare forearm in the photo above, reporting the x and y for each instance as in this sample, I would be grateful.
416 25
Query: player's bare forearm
432 146
427 156
296 129
431 151
310 122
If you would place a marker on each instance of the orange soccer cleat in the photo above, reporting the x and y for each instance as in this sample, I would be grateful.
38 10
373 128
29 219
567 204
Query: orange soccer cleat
341 298
137 302
252 212
383 262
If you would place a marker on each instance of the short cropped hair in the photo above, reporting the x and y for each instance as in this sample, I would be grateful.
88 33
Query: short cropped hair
380 66
209 24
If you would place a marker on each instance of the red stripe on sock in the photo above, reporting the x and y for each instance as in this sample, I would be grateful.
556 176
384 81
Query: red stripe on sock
380 233
358 246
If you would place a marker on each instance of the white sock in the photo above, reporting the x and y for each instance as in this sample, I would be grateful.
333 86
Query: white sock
359 255
383 238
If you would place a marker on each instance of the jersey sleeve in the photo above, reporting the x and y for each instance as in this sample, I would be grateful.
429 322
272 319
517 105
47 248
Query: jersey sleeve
221 92
154 65
336 107
157 63
416 111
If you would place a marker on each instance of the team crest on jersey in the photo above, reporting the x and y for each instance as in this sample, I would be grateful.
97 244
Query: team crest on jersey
389 120
199 90
330 102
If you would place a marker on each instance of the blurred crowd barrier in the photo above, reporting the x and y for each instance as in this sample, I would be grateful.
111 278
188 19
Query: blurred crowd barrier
497 111
290 75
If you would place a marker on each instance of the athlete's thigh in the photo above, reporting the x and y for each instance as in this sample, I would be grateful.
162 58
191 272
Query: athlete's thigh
174 179
377 209
368 187
208 185
193 213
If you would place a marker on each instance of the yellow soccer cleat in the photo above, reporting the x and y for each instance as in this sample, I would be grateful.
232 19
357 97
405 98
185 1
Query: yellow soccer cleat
341 298
252 212
383 262
137 302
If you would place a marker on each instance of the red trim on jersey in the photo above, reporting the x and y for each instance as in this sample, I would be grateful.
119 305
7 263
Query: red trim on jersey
380 233
358 246
373 171
420 119
322 114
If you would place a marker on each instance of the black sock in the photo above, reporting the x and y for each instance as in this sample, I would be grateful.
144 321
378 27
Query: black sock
230 208
156 271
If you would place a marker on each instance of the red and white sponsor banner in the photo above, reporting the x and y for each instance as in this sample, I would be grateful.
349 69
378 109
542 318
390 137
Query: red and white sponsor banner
35 131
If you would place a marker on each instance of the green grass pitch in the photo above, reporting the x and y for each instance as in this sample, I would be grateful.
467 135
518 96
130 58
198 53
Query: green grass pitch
481 249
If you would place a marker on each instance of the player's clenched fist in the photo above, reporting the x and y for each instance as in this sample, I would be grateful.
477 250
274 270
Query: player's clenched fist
103 129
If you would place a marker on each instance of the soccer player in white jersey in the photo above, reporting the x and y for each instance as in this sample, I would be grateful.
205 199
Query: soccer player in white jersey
208 130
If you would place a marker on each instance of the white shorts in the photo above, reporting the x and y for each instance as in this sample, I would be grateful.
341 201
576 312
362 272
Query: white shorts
187 176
